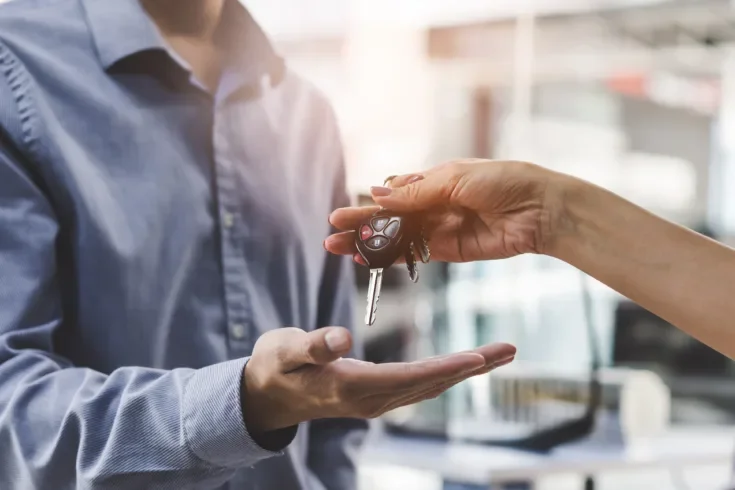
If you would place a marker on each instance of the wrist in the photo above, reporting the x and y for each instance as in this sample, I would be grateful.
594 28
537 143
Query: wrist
258 429
261 412
560 229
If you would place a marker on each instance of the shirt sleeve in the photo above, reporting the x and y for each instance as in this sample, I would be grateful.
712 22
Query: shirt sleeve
65 426
334 444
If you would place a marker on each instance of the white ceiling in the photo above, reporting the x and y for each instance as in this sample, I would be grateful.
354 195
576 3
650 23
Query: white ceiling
296 18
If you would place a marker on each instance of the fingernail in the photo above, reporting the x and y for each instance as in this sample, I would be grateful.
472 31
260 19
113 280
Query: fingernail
358 258
337 340
380 191
415 178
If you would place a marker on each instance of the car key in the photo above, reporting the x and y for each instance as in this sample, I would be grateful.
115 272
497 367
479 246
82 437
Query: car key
380 241
410 256
423 246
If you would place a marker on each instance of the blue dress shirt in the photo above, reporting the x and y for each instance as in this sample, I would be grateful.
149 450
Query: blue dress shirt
150 231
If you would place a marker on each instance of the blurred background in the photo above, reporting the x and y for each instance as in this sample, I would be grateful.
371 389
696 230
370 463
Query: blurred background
637 96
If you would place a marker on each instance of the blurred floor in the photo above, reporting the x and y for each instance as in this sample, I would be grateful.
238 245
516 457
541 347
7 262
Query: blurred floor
699 478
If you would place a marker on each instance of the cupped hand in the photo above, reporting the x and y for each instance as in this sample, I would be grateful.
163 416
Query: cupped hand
294 376
471 209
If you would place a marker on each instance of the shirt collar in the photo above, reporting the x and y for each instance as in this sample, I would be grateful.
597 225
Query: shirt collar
121 29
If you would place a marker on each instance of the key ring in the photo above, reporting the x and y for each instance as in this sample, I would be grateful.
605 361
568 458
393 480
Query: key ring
424 248
386 183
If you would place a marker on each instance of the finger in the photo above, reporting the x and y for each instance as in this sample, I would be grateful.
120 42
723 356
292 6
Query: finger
416 391
344 244
348 219
341 243
436 390
359 260
494 353
401 180
389 377
434 189
320 346
444 356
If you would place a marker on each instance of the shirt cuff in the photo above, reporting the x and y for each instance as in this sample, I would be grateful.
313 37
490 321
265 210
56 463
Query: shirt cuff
212 418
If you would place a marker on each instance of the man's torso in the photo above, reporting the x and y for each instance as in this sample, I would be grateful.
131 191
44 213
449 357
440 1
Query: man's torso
189 223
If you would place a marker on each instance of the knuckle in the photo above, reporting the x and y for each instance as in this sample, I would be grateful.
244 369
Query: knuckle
280 343
265 341
412 191
311 349
455 176
457 171
282 353
446 164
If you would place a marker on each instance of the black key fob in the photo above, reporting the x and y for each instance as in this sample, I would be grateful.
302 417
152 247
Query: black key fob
384 238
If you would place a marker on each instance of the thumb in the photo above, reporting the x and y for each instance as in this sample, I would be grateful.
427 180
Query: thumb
320 347
418 195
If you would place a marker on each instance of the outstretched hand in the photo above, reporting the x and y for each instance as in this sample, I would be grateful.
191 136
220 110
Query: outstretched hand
295 376
472 209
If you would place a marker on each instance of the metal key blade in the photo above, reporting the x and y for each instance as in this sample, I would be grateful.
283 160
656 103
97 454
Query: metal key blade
413 268
423 247
373 295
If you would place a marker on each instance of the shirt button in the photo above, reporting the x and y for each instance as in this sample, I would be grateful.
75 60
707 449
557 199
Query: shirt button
238 331
228 219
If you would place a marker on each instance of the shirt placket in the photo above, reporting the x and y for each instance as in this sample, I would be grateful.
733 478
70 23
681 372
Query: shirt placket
233 234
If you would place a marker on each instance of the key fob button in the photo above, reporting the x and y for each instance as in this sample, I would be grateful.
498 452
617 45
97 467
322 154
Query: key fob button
379 223
365 232
392 229
377 242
